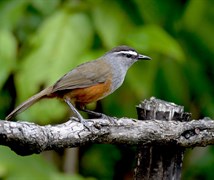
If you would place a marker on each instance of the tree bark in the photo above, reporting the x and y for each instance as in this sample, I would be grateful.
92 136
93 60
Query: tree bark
26 138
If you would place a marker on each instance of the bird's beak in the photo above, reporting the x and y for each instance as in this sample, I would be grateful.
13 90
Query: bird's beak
143 57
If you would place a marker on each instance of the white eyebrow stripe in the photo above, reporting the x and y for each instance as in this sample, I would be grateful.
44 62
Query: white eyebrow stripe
127 52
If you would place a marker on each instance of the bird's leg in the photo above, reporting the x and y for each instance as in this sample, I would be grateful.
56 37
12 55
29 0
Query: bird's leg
81 119
97 114
93 113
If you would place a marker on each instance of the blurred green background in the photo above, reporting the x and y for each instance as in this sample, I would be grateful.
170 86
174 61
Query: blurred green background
41 40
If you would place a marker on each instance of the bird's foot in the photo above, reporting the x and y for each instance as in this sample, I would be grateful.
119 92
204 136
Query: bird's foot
100 115
79 117
110 119
82 121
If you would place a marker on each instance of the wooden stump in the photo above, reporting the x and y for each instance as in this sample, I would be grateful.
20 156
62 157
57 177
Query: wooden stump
163 161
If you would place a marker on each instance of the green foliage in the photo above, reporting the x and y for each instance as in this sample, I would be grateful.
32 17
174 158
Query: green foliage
31 167
41 40
7 54
153 38
93 160
111 32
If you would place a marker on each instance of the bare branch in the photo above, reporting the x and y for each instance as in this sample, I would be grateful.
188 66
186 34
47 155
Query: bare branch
28 138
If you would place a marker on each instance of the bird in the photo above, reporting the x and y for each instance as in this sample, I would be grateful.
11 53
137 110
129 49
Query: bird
88 82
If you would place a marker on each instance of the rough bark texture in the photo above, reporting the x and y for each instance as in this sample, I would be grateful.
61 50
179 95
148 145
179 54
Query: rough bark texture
160 161
28 138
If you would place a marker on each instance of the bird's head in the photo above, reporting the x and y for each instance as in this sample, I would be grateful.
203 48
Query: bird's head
124 55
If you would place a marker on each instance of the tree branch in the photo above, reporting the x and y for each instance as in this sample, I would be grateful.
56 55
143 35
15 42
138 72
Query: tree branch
28 138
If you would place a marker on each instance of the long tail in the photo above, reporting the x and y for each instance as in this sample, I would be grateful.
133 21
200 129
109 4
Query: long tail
26 104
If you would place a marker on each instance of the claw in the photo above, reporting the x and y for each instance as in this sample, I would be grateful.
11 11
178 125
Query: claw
110 119
74 119
100 115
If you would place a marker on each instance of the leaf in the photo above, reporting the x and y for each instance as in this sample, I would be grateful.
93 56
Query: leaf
10 12
110 20
194 13
7 54
56 47
47 6
173 85
198 22
158 12
16 165
29 167
97 160
154 39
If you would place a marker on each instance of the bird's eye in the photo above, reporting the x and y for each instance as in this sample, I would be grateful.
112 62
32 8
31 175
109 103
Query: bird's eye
128 55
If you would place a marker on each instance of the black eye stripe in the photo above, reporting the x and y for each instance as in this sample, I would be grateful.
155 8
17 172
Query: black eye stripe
127 55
